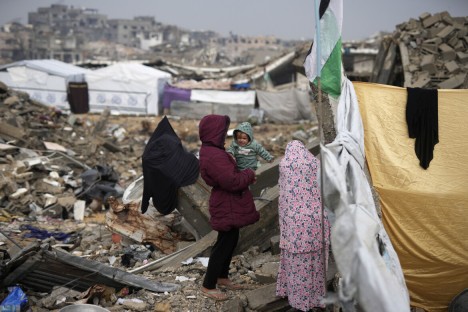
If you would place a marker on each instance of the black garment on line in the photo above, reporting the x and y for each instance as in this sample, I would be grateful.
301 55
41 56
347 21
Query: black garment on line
423 122
166 167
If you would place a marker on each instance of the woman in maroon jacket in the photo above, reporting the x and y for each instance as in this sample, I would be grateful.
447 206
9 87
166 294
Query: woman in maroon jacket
231 202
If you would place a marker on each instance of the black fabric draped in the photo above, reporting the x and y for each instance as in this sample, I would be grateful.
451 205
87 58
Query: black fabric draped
166 167
422 119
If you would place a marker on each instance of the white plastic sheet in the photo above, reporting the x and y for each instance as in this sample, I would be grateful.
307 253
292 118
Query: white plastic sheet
373 278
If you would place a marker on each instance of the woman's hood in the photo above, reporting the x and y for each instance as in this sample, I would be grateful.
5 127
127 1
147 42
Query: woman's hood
213 128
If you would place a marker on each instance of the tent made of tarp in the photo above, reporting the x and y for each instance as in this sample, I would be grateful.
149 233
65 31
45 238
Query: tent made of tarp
44 80
425 212
127 88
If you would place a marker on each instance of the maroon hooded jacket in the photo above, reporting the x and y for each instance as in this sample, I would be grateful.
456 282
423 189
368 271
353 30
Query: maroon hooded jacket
231 202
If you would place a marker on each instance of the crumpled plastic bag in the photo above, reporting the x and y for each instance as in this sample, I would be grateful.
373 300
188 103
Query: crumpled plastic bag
15 301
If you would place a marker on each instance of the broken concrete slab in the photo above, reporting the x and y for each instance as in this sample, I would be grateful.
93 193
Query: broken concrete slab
265 299
12 131
453 82
447 52
452 67
428 21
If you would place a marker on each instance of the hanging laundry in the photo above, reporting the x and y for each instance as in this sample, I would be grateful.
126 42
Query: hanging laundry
166 167
423 122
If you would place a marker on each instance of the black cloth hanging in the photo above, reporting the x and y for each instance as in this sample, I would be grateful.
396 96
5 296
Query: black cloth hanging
78 97
422 119
167 166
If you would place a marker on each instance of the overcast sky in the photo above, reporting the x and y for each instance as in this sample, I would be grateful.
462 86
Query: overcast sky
285 19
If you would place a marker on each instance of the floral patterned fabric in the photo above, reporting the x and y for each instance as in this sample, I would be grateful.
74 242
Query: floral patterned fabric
301 273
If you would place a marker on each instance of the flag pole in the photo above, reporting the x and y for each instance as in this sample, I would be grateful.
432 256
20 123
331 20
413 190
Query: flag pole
321 137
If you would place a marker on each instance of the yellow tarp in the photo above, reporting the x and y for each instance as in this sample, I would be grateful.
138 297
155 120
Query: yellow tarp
425 212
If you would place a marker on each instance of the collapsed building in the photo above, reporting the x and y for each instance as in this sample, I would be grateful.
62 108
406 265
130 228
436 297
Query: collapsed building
429 52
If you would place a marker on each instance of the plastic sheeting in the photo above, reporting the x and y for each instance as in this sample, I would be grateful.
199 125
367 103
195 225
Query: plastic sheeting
364 255
424 211
172 93
224 97
286 106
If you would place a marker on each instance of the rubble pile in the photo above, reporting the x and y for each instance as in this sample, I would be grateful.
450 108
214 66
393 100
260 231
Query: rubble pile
62 238
433 52
49 160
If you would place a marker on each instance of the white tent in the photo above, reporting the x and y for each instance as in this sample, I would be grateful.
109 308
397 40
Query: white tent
127 88
44 80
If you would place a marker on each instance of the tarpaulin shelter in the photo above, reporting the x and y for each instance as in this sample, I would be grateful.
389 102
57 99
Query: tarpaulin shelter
46 81
424 211
127 88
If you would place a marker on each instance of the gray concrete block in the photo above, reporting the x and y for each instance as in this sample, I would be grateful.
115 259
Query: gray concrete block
429 47
429 21
427 63
453 82
453 42
421 80
424 16
447 52
452 67
433 31
261 298
462 57
233 305
274 244
445 32
435 40
412 68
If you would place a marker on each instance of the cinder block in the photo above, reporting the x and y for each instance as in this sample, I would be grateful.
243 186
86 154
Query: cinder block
462 57
429 47
447 53
453 41
453 82
424 16
444 33
427 63
452 67
421 82
429 21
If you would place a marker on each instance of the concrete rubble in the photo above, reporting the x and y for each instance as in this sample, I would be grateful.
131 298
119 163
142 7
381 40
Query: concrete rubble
67 237
428 52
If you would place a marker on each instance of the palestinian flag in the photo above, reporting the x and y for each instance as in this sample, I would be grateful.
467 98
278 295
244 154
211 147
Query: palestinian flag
329 43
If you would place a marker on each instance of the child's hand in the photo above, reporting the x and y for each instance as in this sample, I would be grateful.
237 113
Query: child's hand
271 160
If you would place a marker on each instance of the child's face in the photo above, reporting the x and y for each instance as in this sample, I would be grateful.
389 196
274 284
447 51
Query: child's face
242 138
